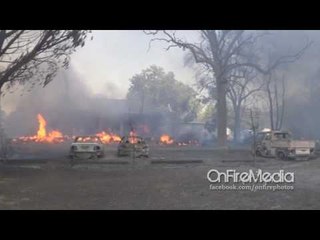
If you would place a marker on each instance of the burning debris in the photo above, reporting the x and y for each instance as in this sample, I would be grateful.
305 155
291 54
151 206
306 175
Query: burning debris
56 136
42 136
108 137
166 139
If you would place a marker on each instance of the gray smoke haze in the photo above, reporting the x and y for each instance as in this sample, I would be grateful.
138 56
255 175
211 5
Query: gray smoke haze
302 115
69 104
60 103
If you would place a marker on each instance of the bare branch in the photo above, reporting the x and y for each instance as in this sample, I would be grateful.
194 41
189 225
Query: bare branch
28 54
11 41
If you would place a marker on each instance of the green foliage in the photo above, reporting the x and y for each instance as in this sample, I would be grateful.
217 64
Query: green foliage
156 90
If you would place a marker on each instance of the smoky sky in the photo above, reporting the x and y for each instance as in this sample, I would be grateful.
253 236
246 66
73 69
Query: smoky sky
58 102
104 66
112 57
106 63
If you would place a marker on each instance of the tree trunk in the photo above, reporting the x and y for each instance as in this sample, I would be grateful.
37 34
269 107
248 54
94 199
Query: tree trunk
277 120
2 133
142 103
237 122
270 106
222 112
283 103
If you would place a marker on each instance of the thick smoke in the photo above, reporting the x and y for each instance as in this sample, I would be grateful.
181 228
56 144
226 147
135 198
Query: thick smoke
65 104
302 80
69 106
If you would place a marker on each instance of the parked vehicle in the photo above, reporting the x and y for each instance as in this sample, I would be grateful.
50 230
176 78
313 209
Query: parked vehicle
280 144
87 147
133 146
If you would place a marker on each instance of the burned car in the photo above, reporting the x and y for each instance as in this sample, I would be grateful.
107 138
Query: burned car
133 146
280 144
86 147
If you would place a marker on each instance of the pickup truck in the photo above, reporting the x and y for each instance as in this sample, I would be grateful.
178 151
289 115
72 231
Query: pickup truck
280 144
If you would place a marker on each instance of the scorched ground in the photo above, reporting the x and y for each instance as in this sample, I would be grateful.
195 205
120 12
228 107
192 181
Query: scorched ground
173 178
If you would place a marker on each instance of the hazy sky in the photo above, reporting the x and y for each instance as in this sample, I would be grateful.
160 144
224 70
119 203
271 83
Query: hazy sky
108 61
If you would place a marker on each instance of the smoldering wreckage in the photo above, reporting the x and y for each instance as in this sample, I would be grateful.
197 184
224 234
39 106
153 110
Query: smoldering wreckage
111 158
91 145
63 147
99 153
266 143
111 129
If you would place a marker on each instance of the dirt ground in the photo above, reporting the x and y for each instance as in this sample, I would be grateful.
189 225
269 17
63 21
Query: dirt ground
172 178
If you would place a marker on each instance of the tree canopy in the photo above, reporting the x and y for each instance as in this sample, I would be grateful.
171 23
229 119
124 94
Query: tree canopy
154 89
222 53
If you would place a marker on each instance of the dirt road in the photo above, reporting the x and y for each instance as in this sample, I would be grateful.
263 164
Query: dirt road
152 184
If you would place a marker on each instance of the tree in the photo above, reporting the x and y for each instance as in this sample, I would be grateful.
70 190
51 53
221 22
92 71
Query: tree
4 143
222 52
276 100
274 89
242 85
29 56
34 56
153 88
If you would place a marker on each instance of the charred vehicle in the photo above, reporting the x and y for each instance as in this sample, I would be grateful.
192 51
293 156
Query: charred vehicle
87 147
280 144
133 146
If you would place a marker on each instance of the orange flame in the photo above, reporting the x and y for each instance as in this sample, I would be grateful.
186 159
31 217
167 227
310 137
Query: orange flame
42 136
108 137
42 127
166 139
53 135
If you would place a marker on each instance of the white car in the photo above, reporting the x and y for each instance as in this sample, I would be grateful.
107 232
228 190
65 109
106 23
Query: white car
86 147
